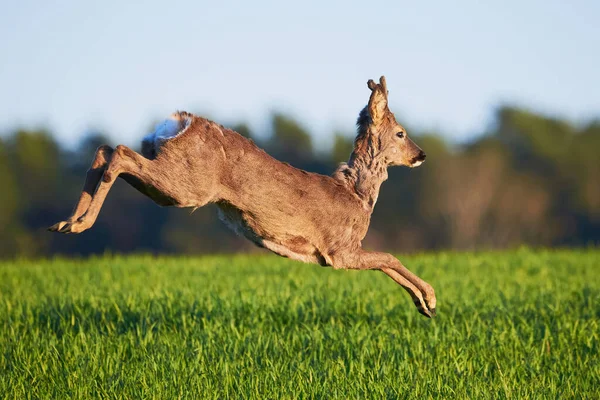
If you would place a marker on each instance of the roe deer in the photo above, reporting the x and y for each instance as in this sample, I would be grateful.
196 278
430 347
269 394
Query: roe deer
190 161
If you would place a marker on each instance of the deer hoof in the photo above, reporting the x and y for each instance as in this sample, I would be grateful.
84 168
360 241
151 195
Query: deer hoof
58 226
73 227
66 228
424 310
430 305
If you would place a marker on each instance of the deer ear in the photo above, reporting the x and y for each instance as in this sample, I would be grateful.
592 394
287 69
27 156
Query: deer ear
378 101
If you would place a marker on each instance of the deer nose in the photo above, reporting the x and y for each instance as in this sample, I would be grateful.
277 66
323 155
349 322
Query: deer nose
418 160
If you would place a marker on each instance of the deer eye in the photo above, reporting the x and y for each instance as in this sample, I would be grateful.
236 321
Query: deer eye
400 134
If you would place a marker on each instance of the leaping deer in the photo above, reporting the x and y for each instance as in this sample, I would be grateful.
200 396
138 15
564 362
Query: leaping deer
190 161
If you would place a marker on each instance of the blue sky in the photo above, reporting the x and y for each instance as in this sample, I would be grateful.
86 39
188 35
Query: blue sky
119 66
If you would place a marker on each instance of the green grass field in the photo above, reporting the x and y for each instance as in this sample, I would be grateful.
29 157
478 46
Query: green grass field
519 324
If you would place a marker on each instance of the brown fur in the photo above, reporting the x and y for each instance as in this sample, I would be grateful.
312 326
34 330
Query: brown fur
294 213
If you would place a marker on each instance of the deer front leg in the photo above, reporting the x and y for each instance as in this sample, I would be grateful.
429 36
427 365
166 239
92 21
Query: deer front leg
420 291
93 176
414 292
425 288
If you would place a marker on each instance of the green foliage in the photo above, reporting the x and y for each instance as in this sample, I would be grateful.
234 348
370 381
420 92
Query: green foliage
9 199
37 165
11 230
547 137
518 324
243 129
342 148
289 136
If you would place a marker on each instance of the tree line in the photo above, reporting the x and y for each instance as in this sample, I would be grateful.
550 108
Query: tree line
530 179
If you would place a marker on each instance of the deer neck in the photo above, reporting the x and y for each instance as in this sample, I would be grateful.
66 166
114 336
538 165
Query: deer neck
364 173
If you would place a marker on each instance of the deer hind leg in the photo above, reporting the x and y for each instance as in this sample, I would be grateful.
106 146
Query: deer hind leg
93 176
141 173
420 291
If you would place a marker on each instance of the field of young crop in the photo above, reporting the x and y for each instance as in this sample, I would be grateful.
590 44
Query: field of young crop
519 324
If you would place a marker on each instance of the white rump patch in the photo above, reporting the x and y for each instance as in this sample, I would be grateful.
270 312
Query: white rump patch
170 128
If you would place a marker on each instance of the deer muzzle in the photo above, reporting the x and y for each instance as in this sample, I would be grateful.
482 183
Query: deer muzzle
418 160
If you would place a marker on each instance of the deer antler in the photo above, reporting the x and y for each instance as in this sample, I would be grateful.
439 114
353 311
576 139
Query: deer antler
382 86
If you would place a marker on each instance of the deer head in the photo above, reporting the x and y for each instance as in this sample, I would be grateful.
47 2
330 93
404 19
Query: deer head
381 135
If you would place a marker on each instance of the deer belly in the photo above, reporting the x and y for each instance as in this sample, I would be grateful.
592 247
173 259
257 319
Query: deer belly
282 243
296 248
